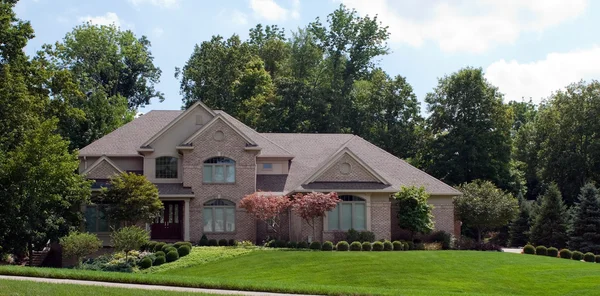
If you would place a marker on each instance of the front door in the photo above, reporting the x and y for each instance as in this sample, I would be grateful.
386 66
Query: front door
170 224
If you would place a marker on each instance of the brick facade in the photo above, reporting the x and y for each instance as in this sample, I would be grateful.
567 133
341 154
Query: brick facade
103 170
380 219
443 218
336 174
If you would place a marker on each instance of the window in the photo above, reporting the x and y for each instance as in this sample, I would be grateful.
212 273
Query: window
166 167
219 170
267 166
95 220
219 216
349 213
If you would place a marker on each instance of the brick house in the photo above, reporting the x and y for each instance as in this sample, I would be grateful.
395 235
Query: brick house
204 162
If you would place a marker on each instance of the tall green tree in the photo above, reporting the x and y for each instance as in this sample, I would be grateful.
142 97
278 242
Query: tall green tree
549 226
585 233
469 130
519 228
414 213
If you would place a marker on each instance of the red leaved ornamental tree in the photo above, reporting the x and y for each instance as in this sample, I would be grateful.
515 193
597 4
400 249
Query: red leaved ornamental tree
314 205
266 207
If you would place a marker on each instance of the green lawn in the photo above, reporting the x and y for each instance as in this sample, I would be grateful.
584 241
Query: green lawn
365 273
18 288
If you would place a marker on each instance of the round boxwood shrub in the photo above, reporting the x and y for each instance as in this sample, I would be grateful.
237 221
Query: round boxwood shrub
159 260
165 247
145 263
232 242
552 252
315 245
342 246
589 257
203 241
213 242
292 245
577 256
565 254
150 246
327 246
159 254
411 245
355 246
398 246
529 249
223 242
366 246
184 250
597 258
541 251
158 247
387 246
302 245
179 244
172 256
377 246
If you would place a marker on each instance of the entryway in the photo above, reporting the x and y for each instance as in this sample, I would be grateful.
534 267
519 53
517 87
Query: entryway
169 226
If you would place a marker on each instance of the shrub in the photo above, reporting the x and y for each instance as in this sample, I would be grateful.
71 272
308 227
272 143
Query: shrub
589 257
444 238
529 249
159 253
352 235
433 246
565 254
405 246
179 244
315 245
541 251
327 246
165 247
280 243
597 258
150 246
158 247
411 245
387 246
145 263
342 246
160 260
302 245
577 256
397 246
419 246
203 241
552 252
223 242
377 246
184 250
78 245
366 246
292 245
355 246
232 242
212 242
367 236
169 249
172 256
129 238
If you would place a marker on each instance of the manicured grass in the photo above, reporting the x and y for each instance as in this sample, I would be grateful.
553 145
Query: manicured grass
18 288
200 256
369 273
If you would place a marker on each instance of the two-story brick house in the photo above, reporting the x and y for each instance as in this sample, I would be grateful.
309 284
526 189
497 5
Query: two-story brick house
204 162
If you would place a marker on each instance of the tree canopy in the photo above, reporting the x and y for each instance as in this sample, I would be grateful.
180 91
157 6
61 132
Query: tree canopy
549 226
414 213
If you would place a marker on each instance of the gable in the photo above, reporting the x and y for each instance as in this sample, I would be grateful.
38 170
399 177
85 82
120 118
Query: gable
346 169
102 169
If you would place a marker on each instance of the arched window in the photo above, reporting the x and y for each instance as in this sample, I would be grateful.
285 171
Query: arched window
351 212
219 216
219 170
166 167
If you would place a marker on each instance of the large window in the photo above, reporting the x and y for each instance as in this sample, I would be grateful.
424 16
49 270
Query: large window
219 216
95 220
166 167
219 170
351 212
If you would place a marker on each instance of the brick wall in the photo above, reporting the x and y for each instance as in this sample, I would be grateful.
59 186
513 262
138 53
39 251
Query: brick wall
443 217
232 146
102 171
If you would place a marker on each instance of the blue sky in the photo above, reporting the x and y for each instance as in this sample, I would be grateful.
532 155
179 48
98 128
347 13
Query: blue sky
528 48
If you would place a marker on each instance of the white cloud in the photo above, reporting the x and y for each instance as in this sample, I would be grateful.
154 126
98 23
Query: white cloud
271 11
160 3
238 17
537 80
469 25
107 19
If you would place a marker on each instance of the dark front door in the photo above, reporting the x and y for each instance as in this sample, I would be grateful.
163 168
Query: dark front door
170 224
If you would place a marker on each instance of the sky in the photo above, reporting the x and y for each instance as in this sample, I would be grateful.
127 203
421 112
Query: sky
527 48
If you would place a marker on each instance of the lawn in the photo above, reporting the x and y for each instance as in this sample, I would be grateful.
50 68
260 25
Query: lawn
366 273
18 288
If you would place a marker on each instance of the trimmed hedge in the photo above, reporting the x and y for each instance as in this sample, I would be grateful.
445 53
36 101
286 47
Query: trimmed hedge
398 246
179 244
355 246
565 254
315 245
366 246
327 246
377 246
411 245
541 251
387 246
145 263
597 258
159 254
169 249
552 252
172 256
203 241
150 246
158 247
589 257
160 260
223 242
183 250
342 246
529 249
165 247
213 242
232 242
577 256
302 245
292 245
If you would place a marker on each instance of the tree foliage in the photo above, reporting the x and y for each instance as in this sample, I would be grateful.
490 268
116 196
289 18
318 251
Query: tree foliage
130 199
549 226
585 233
311 206
483 206
414 213
267 208
129 238
519 228
79 245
